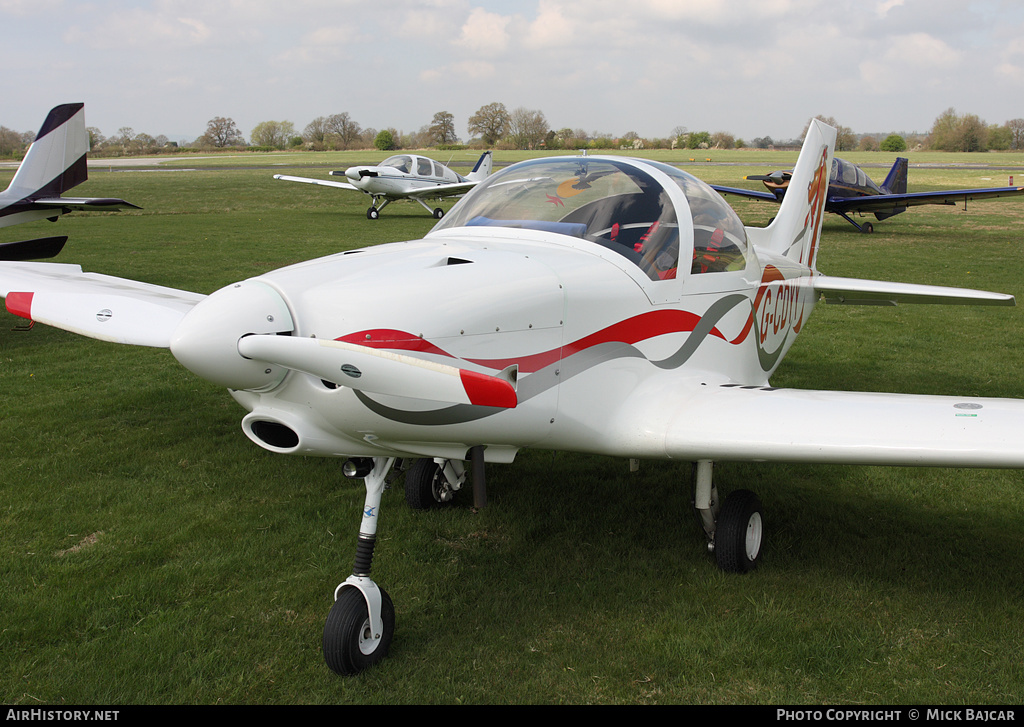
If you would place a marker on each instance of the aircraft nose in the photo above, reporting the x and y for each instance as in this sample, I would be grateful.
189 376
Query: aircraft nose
357 173
206 340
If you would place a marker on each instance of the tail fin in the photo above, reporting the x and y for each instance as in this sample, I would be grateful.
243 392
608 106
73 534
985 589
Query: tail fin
896 182
482 169
55 162
796 229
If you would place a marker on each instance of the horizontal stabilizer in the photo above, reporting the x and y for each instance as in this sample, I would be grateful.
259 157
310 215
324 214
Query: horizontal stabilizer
87 204
748 193
877 292
93 305
38 249
380 372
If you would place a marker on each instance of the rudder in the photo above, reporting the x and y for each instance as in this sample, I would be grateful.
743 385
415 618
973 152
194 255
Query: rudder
55 162
796 229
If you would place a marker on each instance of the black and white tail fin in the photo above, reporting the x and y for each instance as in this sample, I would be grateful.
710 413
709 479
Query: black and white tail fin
55 162
797 228
482 169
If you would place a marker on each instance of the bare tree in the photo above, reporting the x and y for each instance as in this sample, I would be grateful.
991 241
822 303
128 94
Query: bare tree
527 128
442 128
846 140
491 122
221 132
344 129
1016 127
315 132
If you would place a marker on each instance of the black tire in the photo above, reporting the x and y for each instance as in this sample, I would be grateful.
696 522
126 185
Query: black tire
739 533
438 213
347 625
372 213
425 485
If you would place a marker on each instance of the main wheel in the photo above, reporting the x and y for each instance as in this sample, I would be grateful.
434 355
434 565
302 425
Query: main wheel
739 532
438 213
349 646
372 213
426 486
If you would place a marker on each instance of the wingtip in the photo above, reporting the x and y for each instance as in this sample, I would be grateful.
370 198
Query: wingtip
20 304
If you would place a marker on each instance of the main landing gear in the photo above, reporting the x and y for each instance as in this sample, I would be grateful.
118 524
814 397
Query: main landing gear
437 212
867 228
380 203
361 624
735 529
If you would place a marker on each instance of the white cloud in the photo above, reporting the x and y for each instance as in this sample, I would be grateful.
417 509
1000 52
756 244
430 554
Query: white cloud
484 33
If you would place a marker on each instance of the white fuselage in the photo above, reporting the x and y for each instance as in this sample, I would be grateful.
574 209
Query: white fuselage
389 180
574 318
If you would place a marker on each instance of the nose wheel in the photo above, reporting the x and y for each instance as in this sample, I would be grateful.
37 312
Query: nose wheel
352 642
379 203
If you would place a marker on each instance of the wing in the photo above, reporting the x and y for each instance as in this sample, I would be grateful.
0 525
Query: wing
442 190
322 182
695 420
889 202
93 305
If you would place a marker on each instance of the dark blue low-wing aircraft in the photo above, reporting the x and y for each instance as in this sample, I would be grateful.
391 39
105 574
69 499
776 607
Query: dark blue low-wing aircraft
850 190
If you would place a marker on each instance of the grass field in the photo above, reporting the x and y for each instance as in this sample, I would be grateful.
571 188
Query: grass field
153 555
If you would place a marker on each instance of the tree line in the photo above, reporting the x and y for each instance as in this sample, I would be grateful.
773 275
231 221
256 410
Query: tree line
494 126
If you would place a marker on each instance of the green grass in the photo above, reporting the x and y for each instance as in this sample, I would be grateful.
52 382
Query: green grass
153 555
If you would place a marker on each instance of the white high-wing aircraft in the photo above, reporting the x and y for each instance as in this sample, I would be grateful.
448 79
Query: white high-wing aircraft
54 163
405 176
592 304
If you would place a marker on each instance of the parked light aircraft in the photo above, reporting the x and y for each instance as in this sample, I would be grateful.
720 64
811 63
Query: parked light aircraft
591 304
850 190
54 163
405 176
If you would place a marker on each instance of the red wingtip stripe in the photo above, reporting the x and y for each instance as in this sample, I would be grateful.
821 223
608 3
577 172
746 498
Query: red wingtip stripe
20 304
484 390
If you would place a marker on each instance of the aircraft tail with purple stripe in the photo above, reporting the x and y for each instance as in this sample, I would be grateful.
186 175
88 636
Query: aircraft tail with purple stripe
54 164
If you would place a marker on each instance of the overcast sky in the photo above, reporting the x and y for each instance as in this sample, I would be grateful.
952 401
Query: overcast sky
748 67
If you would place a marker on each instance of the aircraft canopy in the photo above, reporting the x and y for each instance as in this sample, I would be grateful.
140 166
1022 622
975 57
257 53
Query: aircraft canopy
617 203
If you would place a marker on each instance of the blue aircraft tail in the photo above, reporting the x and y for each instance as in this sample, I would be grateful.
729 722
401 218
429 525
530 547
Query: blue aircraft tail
895 183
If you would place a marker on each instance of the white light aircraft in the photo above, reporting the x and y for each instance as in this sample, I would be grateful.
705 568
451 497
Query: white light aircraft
405 176
54 163
592 304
